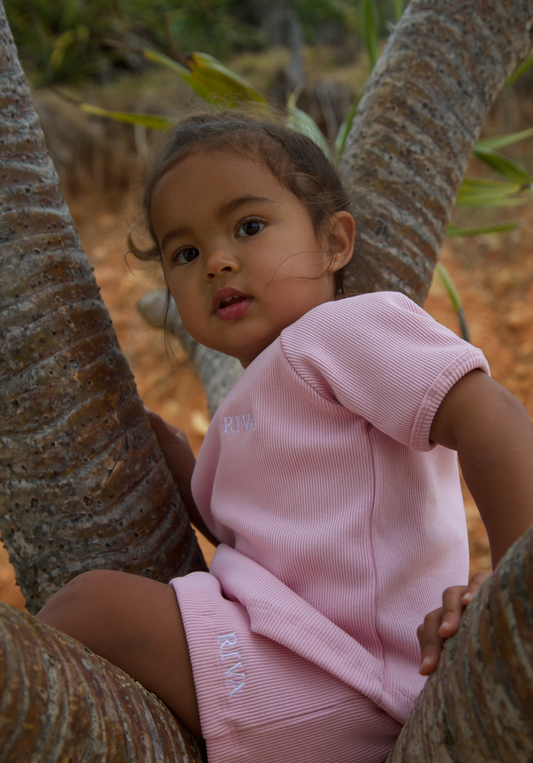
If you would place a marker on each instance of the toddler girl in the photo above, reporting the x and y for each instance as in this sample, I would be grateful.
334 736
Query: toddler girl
328 478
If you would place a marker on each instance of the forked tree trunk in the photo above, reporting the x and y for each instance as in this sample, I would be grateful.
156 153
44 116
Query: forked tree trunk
83 484
409 146
417 124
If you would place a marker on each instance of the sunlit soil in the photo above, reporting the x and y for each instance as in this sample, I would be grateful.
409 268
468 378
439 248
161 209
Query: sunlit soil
493 274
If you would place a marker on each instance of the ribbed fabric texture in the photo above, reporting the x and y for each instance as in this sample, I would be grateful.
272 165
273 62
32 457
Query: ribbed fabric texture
262 703
341 524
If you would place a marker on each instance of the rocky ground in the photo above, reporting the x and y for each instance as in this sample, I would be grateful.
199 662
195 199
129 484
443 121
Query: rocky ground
494 275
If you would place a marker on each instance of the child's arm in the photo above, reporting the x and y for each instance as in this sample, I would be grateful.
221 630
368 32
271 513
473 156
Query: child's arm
493 435
180 460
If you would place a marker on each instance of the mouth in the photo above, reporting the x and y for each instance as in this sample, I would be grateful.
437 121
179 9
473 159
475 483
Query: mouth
230 303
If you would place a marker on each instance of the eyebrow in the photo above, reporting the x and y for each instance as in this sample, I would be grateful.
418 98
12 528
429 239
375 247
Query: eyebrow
231 206
236 203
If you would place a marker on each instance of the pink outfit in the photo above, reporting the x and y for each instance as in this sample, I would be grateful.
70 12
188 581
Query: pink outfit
340 525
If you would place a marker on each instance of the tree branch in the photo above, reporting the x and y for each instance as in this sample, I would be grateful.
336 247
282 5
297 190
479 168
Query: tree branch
83 484
416 126
61 702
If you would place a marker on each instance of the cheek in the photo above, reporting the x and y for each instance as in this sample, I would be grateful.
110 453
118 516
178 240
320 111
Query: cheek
187 304
180 298
175 289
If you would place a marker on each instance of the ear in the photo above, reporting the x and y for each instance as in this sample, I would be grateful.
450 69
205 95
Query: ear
340 241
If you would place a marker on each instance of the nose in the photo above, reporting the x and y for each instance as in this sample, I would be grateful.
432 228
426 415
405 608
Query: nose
219 262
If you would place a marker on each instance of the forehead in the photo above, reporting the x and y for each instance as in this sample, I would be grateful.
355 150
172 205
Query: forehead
205 187
222 171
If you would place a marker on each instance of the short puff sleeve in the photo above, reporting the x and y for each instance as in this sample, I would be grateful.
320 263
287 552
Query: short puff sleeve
384 358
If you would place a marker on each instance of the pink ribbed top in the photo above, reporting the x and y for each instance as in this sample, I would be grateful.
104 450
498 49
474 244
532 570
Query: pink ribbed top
341 523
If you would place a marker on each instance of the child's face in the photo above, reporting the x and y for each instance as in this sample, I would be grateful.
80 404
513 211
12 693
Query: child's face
227 228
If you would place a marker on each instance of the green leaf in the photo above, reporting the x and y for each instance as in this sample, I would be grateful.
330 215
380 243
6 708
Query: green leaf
369 25
213 75
490 201
506 167
489 193
305 124
398 10
456 230
455 298
152 121
524 66
345 128
449 285
160 58
163 60
60 46
500 141
210 79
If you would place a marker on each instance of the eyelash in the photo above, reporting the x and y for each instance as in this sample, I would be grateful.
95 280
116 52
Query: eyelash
176 255
252 219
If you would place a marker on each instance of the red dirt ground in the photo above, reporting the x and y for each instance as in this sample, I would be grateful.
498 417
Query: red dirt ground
494 275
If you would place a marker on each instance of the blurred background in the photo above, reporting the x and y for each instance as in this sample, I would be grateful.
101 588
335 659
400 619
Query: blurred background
84 59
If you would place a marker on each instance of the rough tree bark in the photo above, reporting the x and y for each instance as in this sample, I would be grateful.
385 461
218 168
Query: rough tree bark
417 124
81 708
83 484
408 148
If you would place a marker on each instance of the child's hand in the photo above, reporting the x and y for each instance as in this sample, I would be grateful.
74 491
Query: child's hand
181 462
175 448
444 622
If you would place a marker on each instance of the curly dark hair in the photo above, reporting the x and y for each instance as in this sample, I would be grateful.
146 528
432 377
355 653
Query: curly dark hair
293 158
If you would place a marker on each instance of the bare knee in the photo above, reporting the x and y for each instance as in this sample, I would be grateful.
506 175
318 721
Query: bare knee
135 623
83 608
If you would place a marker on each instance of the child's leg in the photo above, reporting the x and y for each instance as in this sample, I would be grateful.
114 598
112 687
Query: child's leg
135 623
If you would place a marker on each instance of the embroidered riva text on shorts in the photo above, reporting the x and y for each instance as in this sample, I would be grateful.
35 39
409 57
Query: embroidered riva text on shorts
230 656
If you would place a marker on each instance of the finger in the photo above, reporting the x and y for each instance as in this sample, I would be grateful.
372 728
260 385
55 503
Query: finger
473 587
431 655
430 642
452 610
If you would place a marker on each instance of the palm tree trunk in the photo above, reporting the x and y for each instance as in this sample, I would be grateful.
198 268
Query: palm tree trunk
66 495
83 483
62 703
478 706
417 124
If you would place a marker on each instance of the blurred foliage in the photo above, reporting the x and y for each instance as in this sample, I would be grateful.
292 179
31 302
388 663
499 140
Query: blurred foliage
71 40
62 39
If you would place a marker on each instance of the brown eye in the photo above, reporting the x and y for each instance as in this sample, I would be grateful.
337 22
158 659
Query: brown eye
186 255
250 228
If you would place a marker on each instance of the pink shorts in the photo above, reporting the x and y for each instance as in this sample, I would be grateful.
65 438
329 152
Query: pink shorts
261 703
